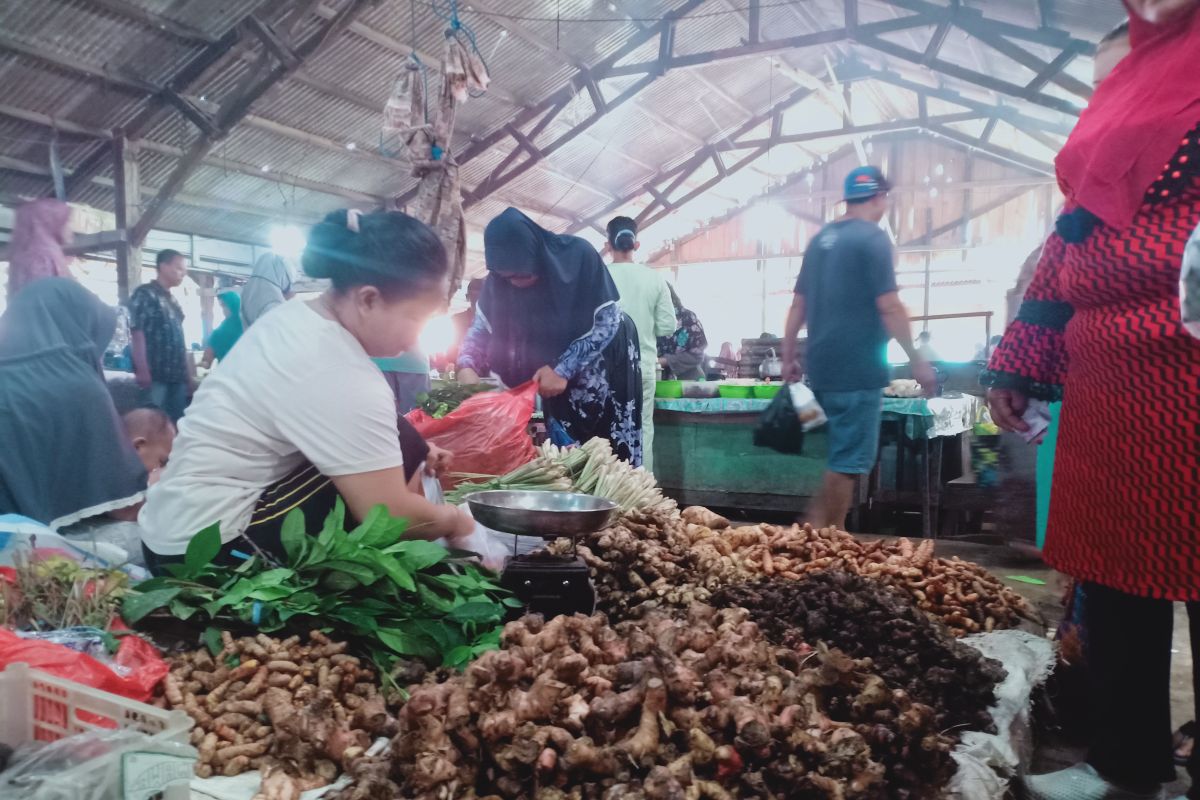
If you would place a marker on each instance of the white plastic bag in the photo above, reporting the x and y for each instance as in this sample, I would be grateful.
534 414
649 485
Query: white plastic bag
123 764
807 408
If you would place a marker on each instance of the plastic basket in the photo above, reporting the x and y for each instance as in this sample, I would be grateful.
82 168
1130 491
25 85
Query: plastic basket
37 707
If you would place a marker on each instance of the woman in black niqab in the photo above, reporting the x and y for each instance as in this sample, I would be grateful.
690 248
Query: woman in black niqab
549 312
66 456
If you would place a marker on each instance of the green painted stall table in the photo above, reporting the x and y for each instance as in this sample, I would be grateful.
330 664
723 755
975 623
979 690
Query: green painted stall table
704 451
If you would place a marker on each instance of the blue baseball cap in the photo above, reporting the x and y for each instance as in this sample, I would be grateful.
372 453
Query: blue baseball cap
865 182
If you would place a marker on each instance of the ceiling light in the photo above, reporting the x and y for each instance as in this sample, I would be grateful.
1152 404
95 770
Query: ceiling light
503 33
612 7
933 191
351 146
265 168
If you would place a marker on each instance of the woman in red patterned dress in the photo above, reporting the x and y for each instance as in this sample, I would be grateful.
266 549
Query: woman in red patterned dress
1100 328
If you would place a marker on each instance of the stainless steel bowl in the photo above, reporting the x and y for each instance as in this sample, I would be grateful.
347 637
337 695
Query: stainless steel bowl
545 514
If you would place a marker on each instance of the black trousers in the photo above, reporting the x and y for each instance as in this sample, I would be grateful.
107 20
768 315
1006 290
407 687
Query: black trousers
1129 675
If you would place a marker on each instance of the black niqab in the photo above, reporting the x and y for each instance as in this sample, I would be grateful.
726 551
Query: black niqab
532 327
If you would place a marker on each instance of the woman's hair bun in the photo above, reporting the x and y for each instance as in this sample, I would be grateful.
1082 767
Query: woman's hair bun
328 246
622 233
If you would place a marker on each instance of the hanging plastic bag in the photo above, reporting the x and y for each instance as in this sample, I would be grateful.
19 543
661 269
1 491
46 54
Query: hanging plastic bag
779 427
1189 285
488 433
405 107
806 406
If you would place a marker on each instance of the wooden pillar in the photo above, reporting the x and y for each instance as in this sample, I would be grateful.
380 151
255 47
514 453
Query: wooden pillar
128 208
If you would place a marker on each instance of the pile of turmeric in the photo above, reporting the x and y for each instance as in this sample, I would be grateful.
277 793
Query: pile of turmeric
666 707
300 712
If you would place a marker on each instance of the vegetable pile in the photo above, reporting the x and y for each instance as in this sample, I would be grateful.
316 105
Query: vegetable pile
591 468
298 711
647 560
53 592
441 400
863 619
392 598
701 707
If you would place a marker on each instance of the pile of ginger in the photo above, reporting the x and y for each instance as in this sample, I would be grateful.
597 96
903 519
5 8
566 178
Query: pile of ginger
649 560
685 708
299 712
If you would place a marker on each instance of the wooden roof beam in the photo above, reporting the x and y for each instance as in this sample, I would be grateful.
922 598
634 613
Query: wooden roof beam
255 171
233 109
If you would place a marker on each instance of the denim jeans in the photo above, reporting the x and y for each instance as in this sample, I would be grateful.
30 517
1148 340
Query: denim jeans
170 397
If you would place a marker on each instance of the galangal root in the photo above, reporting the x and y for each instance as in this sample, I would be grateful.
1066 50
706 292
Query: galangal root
662 708
300 712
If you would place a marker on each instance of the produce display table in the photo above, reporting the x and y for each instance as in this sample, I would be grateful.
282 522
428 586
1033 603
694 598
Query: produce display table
704 454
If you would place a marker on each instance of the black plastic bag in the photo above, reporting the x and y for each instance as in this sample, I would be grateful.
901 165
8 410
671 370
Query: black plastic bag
779 428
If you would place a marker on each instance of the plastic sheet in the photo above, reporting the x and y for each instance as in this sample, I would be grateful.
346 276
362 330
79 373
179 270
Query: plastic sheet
133 671
987 762
97 765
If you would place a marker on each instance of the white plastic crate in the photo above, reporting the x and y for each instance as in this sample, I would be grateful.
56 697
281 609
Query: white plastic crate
37 707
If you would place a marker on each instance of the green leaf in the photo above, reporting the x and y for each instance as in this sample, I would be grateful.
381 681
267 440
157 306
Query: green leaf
433 599
406 645
512 602
335 524
362 569
293 537
396 572
201 550
459 657
1026 579
181 610
137 605
269 594
417 554
274 577
358 617
476 612
212 640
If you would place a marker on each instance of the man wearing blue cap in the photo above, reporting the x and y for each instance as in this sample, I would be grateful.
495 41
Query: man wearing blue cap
847 295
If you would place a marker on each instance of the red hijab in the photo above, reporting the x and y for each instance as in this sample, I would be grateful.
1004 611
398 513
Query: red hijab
1135 121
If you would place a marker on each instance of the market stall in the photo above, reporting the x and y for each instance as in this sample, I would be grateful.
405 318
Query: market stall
705 454
703 659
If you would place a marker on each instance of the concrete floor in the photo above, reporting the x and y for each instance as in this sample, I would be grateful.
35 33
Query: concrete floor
1053 751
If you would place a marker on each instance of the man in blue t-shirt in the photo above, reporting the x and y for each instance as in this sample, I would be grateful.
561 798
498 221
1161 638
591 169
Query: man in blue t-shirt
847 295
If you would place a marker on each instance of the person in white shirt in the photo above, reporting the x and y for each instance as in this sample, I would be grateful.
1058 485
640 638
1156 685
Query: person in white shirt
647 300
299 416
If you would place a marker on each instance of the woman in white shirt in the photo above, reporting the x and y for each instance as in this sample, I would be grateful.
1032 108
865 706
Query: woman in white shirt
299 415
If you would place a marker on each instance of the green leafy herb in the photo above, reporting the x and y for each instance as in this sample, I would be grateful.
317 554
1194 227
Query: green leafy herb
392 598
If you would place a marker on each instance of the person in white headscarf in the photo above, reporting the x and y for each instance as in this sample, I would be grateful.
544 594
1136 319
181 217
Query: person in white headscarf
269 285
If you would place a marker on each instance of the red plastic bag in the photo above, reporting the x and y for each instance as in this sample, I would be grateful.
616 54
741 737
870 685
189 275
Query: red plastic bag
144 668
488 433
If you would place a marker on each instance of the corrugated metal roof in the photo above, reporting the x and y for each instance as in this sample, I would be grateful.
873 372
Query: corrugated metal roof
321 126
